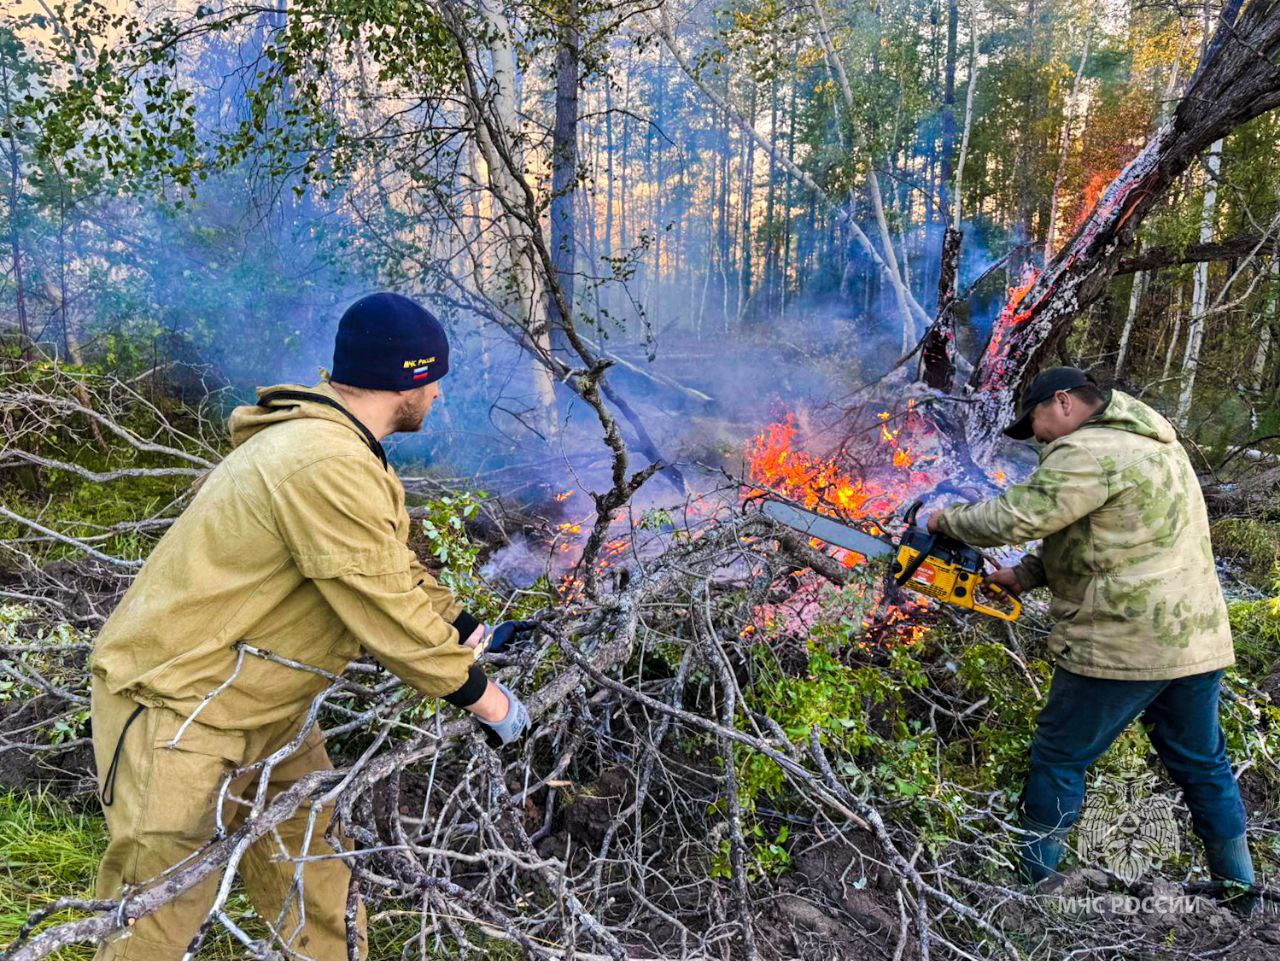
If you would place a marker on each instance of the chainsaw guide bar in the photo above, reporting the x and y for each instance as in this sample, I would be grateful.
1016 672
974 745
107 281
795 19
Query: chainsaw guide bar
935 565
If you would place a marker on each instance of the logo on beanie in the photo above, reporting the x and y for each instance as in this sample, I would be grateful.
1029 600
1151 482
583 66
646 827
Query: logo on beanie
420 366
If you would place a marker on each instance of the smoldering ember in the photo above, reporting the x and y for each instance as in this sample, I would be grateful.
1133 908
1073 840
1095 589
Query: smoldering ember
669 481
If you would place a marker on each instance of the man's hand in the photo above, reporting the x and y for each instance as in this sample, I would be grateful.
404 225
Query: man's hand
1007 579
501 714
931 521
476 637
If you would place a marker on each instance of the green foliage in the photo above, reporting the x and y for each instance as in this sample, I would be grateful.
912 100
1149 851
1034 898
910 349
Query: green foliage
445 539
864 717
995 754
444 527
1255 625
54 652
1251 718
48 850
768 858
656 519
931 771
1252 545
80 506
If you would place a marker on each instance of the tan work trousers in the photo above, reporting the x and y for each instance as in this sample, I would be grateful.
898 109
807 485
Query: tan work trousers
162 809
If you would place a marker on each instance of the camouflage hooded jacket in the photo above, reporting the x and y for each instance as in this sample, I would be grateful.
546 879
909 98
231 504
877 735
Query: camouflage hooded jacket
1125 552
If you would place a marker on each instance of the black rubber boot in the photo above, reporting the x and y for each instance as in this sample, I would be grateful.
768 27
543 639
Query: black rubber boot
1229 860
1039 850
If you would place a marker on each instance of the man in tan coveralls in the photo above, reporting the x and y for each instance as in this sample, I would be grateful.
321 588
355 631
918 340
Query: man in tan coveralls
295 544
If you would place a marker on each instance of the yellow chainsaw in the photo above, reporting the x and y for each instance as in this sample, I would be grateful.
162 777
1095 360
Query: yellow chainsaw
934 565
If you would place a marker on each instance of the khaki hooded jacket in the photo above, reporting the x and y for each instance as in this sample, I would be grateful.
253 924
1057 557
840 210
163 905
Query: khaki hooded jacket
295 544
1126 551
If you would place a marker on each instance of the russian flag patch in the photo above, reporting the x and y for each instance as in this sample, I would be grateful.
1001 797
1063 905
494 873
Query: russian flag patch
420 367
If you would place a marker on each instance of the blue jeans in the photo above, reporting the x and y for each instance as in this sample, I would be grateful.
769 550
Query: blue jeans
1084 715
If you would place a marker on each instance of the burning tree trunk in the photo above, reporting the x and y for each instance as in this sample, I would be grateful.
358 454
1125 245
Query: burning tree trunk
1236 81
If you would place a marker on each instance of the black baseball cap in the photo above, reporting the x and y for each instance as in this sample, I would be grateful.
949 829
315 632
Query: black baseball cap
1046 384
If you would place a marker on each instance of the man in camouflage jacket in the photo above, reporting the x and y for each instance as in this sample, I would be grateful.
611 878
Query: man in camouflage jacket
1140 622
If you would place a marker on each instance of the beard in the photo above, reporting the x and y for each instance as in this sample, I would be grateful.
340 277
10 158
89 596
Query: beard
410 415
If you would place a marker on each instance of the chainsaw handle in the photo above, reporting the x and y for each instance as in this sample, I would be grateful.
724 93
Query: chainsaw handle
912 511
913 565
1014 610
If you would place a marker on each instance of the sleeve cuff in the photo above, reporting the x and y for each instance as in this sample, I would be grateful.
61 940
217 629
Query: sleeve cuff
470 692
466 625
1027 579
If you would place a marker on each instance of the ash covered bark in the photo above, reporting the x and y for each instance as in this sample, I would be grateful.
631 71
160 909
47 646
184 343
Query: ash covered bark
937 350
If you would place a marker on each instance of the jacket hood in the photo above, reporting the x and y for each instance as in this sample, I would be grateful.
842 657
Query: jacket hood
248 419
1130 414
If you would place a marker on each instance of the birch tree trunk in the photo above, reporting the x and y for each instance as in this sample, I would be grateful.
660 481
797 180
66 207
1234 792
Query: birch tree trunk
784 280
745 239
15 217
1268 325
517 289
769 283
609 177
1200 285
1136 293
1174 334
1064 147
564 161
722 245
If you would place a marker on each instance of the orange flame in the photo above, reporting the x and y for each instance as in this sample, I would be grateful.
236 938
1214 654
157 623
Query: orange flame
1017 294
1093 191
813 481
822 484
1010 315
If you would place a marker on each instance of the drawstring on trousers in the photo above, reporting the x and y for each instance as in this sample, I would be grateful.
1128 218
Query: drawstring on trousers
108 794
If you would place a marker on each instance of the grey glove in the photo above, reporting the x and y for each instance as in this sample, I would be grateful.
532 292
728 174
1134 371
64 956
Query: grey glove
510 727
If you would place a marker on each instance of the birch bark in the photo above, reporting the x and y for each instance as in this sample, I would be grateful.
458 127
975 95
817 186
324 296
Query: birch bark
1200 285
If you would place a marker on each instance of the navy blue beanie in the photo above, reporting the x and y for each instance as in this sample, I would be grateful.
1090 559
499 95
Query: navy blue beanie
388 342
